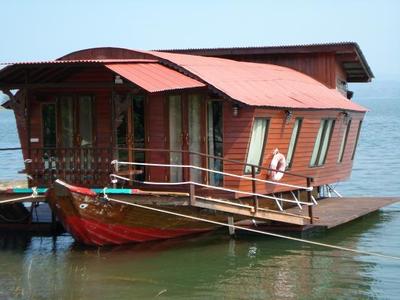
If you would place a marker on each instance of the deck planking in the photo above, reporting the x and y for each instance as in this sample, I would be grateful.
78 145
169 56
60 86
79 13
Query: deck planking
332 212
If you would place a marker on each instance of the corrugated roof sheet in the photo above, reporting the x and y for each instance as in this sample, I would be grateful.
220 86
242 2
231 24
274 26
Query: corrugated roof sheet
79 61
260 84
154 77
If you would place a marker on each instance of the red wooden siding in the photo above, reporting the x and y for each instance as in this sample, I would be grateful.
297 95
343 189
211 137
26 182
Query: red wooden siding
156 129
237 132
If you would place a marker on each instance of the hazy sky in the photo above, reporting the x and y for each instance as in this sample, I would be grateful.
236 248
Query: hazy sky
40 30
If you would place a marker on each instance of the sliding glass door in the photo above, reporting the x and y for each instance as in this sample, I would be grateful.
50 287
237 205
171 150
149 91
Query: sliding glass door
215 140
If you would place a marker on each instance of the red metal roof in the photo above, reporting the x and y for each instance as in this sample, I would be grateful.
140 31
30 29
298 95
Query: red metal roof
154 77
260 84
149 74
80 61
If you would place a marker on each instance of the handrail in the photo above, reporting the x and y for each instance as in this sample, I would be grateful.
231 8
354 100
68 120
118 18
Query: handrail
216 188
211 171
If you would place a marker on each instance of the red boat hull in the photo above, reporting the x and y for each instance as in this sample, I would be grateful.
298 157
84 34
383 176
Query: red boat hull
92 232
97 222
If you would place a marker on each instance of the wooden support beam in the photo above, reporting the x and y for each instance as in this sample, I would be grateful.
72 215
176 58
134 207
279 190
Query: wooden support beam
245 211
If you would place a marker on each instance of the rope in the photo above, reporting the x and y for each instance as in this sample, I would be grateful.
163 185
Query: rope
34 195
256 231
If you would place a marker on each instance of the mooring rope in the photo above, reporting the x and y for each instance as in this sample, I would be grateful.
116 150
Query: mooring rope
254 230
33 195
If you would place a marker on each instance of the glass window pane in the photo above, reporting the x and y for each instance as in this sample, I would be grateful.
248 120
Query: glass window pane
344 142
49 125
138 134
85 121
293 141
67 124
317 143
325 142
175 136
138 121
256 148
215 140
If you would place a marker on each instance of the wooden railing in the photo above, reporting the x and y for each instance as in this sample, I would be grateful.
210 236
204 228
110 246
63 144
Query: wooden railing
92 166
84 166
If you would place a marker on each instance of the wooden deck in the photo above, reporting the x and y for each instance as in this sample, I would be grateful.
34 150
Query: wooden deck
332 212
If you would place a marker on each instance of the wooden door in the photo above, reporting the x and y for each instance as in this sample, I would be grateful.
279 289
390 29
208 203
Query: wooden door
75 137
129 124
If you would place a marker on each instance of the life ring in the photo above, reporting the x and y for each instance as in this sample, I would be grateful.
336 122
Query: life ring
278 164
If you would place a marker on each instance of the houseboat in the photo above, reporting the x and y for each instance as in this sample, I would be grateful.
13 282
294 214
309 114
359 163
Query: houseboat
143 145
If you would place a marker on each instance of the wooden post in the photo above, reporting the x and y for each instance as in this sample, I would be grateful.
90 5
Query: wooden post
310 212
53 224
254 188
192 194
231 228
192 190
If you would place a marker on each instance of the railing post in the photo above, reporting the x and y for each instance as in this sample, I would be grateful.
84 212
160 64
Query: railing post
192 191
254 188
309 199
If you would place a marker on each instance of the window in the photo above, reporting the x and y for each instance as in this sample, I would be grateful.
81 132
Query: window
344 142
358 136
257 143
293 142
49 125
322 142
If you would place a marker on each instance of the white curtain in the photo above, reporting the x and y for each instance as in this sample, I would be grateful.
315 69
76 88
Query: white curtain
317 144
256 142
292 142
325 142
175 136
195 135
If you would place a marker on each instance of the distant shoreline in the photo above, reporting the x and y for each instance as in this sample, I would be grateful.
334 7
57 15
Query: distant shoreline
16 183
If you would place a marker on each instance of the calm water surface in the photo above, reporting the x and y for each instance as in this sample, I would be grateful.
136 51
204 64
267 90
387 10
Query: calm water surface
216 267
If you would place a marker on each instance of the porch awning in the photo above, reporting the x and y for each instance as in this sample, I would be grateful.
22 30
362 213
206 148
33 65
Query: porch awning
154 77
145 73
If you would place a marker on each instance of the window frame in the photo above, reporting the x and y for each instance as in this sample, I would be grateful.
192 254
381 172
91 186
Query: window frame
357 138
258 170
344 141
324 122
290 163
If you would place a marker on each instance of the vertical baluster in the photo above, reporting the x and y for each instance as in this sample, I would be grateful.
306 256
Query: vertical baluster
309 199
254 188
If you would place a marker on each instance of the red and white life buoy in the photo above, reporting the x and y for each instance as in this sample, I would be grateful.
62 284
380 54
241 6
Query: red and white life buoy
278 164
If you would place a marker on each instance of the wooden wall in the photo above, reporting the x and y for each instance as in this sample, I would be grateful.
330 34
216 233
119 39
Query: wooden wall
237 131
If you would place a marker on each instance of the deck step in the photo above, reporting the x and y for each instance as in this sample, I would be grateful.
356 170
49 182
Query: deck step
248 211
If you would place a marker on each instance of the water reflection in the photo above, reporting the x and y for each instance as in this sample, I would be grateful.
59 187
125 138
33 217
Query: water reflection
211 266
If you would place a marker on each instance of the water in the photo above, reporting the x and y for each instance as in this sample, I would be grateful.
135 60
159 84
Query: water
216 267
9 139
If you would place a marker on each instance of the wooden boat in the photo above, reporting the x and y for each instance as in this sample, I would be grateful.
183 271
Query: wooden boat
247 131
92 220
